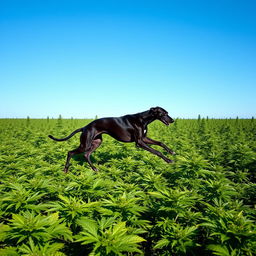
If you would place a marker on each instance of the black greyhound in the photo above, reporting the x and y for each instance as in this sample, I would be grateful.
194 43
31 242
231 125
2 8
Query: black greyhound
128 128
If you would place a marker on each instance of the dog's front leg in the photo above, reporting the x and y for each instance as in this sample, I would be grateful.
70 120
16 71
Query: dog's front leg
143 145
158 143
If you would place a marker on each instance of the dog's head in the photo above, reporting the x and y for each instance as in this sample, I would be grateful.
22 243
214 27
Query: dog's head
162 115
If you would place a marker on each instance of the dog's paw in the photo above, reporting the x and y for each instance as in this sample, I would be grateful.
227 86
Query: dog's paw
169 161
171 152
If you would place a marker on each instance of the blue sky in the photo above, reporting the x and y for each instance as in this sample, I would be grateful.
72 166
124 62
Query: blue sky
110 58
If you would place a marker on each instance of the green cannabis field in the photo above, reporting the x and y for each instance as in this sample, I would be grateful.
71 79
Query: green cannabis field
137 204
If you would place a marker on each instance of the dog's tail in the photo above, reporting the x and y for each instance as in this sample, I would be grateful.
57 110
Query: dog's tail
68 137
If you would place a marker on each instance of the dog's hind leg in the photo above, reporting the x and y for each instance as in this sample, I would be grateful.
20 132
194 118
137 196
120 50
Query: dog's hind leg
94 145
70 154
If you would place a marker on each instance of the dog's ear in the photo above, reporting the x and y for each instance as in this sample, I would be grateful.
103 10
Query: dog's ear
153 110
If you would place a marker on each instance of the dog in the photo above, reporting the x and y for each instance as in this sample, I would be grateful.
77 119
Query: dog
128 128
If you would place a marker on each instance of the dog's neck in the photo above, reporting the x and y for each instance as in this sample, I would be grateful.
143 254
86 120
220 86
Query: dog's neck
147 117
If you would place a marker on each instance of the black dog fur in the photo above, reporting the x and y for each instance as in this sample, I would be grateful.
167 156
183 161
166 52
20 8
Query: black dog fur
128 128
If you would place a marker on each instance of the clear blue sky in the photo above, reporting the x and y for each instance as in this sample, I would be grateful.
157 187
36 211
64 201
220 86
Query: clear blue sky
109 58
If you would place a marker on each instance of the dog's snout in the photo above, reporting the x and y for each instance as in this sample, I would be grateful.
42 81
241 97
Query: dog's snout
170 120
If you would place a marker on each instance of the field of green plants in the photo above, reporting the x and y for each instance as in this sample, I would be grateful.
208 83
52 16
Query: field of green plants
137 204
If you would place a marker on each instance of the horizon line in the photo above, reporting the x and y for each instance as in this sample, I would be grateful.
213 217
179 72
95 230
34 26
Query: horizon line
89 118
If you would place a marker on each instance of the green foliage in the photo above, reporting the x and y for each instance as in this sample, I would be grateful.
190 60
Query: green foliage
177 239
31 249
108 237
202 204
26 226
71 208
